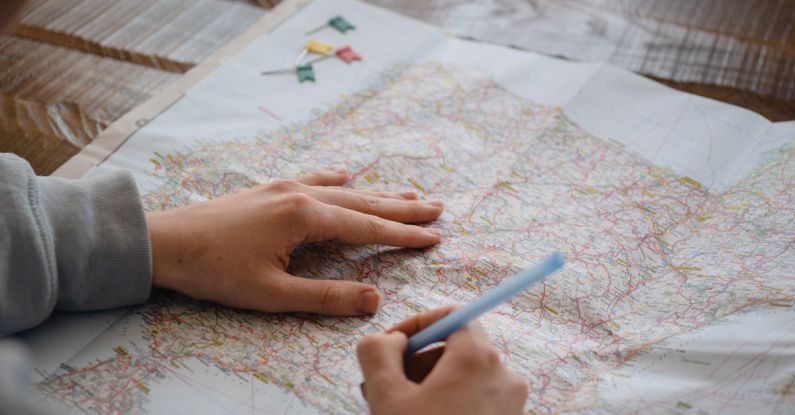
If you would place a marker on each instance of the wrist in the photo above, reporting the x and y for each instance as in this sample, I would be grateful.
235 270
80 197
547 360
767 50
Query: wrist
163 258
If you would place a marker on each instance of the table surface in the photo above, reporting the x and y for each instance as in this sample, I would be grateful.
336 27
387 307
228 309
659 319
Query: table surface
737 51
74 66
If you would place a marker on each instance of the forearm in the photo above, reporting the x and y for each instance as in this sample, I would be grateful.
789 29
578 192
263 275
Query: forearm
68 244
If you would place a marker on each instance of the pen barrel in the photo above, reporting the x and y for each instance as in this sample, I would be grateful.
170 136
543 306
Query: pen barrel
509 288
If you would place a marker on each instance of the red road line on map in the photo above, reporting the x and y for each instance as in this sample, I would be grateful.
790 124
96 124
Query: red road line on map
269 113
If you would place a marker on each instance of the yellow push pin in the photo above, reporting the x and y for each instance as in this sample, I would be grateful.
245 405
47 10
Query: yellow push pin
318 47
313 46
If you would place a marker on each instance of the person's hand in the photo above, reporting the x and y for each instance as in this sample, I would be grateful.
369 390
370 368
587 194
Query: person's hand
464 377
235 249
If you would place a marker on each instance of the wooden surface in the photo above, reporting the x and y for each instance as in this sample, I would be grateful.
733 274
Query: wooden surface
172 35
55 100
109 140
74 66
738 51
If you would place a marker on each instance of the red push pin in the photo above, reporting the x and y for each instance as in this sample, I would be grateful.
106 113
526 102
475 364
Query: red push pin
347 54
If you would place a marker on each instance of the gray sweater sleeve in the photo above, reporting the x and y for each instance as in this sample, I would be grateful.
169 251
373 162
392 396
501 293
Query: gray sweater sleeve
68 244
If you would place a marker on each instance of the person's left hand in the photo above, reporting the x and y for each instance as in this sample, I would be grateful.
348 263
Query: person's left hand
235 250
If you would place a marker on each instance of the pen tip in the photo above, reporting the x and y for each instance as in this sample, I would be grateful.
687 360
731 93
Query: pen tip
557 260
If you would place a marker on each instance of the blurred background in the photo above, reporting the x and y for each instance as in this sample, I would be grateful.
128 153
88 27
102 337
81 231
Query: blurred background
72 67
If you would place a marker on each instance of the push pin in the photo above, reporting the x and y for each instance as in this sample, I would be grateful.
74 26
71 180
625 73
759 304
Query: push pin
277 71
337 22
313 46
305 70
318 47
305 73
347 54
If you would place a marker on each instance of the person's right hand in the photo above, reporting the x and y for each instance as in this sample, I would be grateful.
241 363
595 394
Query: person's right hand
468 377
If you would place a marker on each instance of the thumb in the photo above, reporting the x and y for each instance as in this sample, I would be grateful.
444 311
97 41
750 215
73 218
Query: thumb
329 297
381 358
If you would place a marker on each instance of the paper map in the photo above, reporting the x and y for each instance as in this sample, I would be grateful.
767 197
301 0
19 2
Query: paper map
680 283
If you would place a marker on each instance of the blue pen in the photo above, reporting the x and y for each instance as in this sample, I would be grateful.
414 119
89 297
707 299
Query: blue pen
507 289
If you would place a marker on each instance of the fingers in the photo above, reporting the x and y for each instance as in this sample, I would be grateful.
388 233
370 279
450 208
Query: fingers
469 349
337 177
421 364
400 210
329 297
407 195
471 337
381 358
345 225
518 389
323 186
417 322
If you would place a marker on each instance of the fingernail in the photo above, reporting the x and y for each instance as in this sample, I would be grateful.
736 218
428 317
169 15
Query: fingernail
434 231
438 203
368 302
409 195
341 170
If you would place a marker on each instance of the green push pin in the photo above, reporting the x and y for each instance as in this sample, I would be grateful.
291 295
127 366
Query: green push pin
341 24
305 73
338 23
